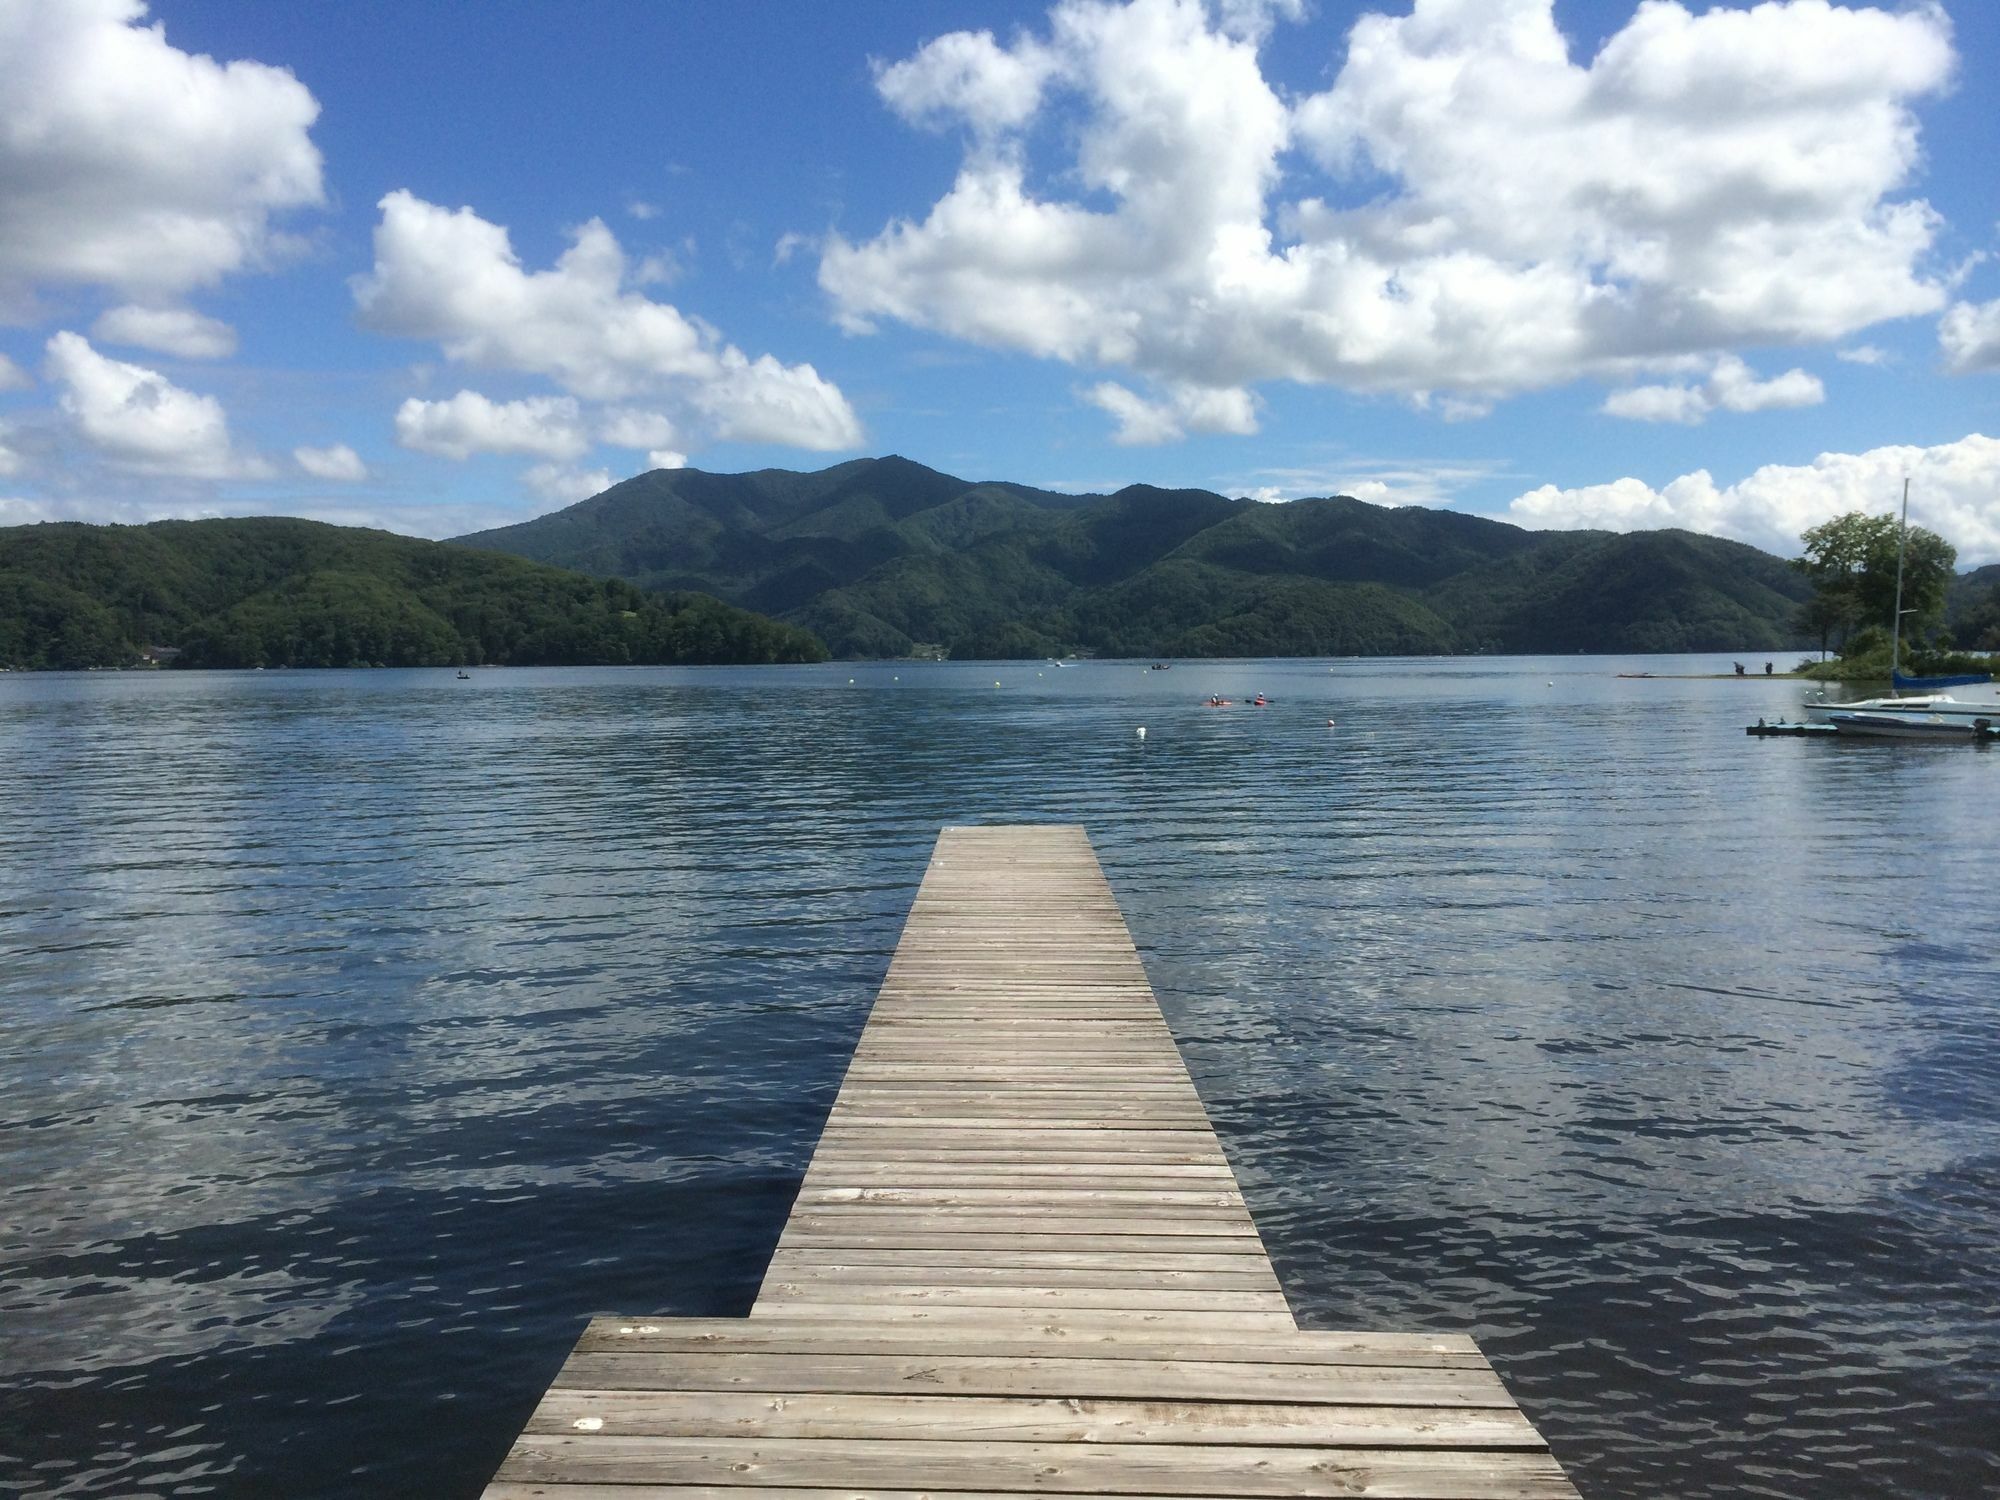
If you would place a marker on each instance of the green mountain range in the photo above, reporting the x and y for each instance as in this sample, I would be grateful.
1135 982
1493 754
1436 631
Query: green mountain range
271 592
879 555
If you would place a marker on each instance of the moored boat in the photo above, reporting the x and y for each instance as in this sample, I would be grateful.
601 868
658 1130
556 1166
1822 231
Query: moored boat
1931 684
1904 723
1927 708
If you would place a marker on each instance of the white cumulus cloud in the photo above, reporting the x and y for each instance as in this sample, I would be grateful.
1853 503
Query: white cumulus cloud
625 427
12 376
127 163
1731 386
1139 420
666 458
169 330
567 485
762 401
1969 335
339 463
469 423
452 276
1468 209
138 419
1186 409
967 75
1658 403
1954 490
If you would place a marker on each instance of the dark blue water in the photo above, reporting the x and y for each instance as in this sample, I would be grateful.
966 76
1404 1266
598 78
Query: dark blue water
361 1033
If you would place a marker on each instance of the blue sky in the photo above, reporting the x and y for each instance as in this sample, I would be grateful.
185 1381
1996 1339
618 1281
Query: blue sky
436 268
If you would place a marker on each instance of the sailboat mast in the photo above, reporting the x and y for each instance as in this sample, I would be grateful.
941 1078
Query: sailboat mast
1896 623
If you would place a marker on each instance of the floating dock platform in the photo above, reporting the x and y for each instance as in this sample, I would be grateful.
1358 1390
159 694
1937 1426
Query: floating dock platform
1020 1265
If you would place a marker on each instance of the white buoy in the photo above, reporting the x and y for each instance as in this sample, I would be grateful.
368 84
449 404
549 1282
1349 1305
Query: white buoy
1552 682
1142 731
1329 723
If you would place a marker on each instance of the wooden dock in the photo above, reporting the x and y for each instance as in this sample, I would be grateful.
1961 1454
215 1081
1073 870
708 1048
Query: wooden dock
1019 1264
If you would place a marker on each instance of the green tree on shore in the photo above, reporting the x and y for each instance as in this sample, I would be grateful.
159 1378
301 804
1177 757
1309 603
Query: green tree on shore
1851 563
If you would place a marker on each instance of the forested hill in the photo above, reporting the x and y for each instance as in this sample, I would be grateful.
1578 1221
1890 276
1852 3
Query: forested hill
878 554
272 592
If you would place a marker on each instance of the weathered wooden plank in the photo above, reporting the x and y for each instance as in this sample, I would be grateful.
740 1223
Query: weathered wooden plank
1050 1074
1045 1112
1248 1261
785 1296
919 1173
847 1237
851 1137
508 1490
1018 1160
932 1176
1055 1322
1042 1468
929 1271
832 1223
1030 1374
943 1097
987 1129
891 1023
788 1336
964 1417
1011 1197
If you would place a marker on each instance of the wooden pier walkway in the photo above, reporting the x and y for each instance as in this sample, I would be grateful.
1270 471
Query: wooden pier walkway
1019 1264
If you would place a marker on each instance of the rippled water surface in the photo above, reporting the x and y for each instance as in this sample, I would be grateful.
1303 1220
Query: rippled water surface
361 1033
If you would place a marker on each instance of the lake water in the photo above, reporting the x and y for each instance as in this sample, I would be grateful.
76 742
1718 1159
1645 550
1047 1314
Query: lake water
361 1033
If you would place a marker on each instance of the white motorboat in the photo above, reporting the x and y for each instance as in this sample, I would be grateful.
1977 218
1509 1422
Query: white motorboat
1897 718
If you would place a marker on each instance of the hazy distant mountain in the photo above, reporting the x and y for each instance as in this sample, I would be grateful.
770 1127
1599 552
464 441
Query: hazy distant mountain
275 592
878 554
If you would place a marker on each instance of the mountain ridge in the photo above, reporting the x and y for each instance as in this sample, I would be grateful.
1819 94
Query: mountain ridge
880 555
